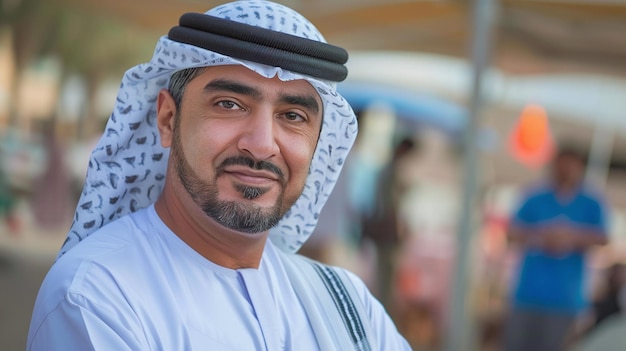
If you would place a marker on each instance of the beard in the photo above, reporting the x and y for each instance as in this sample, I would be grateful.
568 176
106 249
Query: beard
242 216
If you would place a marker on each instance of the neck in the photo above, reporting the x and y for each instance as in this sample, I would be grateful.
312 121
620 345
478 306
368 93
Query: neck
565 191
566 187
220 245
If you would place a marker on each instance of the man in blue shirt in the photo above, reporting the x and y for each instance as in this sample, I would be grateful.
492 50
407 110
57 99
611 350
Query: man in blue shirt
555 225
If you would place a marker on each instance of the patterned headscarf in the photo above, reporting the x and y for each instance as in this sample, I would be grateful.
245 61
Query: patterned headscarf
127 167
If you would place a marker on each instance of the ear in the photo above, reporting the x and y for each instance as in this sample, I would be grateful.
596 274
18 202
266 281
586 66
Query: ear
166 114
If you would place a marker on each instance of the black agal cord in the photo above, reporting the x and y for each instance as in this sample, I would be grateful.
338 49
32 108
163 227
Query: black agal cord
261 45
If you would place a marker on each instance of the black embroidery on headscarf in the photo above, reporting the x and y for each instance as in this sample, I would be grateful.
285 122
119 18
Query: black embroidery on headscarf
113 178
133 205
131 179
130 160
89 224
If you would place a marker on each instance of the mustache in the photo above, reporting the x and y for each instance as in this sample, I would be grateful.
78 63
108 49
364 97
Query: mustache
257 165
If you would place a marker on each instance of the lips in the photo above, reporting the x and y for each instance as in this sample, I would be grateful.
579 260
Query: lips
251 171
251 176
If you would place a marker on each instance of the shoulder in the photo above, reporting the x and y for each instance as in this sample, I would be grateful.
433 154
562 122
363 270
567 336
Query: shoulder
593 195
385 333
536 191
529 199
93 268
332 272
375 311
359 286
329 274
84 301
104 247
339 287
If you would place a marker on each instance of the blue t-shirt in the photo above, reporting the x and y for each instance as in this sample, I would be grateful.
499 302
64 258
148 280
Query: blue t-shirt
548 282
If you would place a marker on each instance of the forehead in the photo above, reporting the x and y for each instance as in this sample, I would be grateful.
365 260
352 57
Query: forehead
246 76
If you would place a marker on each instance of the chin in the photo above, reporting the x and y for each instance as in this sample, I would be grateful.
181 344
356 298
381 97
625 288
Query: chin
244 216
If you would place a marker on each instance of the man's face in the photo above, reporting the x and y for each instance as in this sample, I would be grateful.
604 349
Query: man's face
568 169
242 145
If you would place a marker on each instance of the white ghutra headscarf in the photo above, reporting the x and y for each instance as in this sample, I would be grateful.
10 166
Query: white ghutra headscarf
127 167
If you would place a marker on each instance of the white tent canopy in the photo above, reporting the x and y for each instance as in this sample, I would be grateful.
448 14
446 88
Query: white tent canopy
588 98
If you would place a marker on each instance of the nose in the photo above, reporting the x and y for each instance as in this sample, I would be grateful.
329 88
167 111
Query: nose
258 139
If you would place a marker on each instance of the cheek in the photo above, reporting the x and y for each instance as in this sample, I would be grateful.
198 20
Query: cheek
203 142
298 158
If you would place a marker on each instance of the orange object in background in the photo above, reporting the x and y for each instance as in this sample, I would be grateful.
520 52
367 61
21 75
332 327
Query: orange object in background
530 141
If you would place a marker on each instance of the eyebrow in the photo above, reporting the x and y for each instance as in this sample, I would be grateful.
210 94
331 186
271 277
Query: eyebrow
233 87
306 101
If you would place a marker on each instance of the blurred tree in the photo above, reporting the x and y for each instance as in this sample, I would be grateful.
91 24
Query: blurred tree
87 43
29 36
95 47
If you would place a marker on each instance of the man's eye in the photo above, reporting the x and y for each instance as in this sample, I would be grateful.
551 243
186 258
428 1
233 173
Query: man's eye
292 116
227 104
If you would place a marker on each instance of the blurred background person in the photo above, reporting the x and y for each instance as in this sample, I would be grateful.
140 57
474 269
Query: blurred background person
609 301
556 223
8 201
383 227
51 199
606 320
429 206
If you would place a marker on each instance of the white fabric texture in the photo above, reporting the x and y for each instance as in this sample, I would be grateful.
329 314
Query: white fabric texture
127 168
333 288
137 286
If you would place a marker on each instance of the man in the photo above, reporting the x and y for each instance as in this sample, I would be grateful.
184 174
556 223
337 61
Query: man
555 225
384 227
257 134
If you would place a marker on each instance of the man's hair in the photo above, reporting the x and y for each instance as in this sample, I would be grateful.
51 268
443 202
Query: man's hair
179 81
